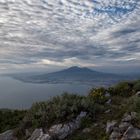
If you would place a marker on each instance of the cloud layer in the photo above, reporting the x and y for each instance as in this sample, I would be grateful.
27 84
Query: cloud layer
40 33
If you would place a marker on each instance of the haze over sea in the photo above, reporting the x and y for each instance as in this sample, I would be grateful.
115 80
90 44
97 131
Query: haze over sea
20 95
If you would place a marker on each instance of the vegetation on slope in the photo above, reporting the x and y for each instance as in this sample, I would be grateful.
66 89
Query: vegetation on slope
66 107
10 119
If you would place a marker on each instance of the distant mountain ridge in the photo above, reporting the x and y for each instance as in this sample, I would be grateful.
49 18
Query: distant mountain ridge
73 75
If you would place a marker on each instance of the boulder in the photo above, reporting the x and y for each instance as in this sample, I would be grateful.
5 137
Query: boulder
107 94
138 94
8 135
109 101
61 131
115 135
133 115
125 130
81 115
95 125
110 125
124 126
27 133
107 111
86 130
131 134
129 117
39 135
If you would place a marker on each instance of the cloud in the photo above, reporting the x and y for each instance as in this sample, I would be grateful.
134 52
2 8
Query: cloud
69 32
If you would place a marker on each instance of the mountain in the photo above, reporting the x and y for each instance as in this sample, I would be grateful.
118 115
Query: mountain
78 75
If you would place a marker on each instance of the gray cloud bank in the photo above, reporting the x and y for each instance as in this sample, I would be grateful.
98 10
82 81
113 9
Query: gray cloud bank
57 33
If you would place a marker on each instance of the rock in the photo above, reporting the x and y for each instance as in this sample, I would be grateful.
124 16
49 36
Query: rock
82 115
95 125
86 130
129 117
27 133
109 101
61 131
115 135
8 135
124 126
138 94
133 115
39 135
107 111
131 134
125 130
110 126
107 94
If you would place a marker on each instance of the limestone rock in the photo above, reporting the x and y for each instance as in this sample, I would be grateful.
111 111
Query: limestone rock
39 135
115 135
109 101
86 130
8 135
129 117
133 115
131 134
61 131
107 94
107 111
138 94
110 126
123 126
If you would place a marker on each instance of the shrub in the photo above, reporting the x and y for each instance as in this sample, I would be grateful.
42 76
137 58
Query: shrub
86 122
137 86
58 109
124 89
98 95
9 119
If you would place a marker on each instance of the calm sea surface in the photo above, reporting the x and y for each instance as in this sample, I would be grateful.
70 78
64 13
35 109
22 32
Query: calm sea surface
15 94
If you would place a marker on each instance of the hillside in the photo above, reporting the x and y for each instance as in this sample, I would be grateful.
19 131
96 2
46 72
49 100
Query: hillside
80 75
104 114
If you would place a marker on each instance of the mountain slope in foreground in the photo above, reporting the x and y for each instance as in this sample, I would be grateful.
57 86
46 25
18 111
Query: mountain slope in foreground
104 114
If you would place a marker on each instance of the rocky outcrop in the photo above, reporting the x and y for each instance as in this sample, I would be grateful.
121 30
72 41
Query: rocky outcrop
8 135
129 117
138 94
110 126
59 131
124 130
131 133
38 134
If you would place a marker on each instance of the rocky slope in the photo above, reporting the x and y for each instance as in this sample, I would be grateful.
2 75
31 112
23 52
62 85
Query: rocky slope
104 114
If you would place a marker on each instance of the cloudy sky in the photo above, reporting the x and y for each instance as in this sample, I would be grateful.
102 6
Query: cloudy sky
52 34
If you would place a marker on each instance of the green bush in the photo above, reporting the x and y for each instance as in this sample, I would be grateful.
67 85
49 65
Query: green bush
58 109
98 95
124 89
86 122
9 119
137 86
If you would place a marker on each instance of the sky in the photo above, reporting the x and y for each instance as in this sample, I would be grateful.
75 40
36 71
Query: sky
46 35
